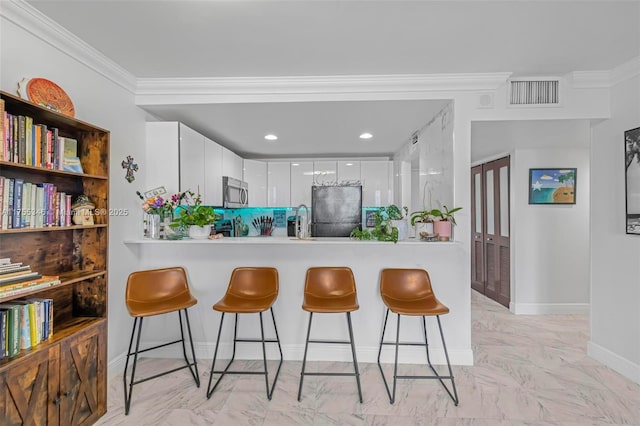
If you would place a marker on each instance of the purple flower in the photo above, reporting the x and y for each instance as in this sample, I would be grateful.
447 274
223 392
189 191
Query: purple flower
158 202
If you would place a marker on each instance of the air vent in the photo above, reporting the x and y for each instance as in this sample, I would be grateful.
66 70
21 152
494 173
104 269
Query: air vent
534 92
414 138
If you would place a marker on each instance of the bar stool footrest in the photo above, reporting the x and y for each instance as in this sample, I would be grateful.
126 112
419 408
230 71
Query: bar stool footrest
155 347
328 374
163 374
424 377
339 342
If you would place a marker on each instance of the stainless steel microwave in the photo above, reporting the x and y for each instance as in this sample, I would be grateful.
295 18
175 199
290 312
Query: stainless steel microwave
235 193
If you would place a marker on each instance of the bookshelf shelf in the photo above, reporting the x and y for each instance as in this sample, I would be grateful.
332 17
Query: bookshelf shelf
73 360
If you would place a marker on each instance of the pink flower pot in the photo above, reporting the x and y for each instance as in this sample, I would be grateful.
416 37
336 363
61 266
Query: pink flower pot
442 228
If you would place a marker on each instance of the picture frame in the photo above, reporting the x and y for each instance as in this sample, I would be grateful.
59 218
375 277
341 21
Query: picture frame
552 185
632 180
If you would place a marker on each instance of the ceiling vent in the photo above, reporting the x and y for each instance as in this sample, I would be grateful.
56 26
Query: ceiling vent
414 138
534 92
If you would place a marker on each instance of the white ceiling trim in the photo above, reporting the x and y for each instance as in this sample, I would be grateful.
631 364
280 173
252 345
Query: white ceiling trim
625 71
159 91
35 22
591 79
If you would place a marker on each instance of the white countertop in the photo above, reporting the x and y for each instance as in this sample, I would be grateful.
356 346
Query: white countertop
286 240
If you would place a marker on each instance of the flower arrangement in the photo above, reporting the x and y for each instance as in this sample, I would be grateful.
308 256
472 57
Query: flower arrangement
161 206
193 213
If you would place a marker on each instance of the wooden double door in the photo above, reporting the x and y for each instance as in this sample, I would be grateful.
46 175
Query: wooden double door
490 247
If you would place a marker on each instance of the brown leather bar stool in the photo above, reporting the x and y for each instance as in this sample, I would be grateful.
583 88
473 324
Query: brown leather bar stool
251 290
330 290
155 292
409 292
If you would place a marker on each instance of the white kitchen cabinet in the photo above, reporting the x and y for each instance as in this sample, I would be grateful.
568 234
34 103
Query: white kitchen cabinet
301 181
348 171
278 184
191 160
324 172
255 174
377 183
212 173
231 164
162 152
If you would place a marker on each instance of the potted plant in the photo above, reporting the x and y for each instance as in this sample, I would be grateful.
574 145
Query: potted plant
383 229
422 221
398 220
195 217
444 222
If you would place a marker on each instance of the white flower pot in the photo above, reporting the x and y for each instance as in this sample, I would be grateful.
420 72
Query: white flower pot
403 228
199 232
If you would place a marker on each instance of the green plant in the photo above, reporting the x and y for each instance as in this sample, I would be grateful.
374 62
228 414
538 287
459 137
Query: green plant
394 213
445 213
194 214
421 216
382 229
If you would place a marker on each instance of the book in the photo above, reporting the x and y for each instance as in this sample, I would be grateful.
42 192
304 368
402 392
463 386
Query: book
18 184
9 209
16 272
67 148
2 212
3 333
30 285
33 324
72 164
20 278
13 327
25 331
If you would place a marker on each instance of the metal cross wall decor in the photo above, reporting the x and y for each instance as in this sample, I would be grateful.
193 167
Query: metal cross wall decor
131 167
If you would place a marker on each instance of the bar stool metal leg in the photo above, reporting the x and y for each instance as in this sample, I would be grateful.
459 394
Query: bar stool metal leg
353 352
127 396
195 374
275 379
304 358
215 356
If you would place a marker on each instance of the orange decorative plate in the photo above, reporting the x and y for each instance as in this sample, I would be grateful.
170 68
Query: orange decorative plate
48 94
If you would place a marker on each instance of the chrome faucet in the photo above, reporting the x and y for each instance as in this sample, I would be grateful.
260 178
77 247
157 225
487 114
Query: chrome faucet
303 229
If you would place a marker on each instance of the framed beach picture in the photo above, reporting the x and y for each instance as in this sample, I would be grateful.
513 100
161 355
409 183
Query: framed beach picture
552 186
632 180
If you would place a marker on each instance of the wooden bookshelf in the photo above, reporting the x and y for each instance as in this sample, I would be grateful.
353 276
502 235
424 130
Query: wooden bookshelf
64 377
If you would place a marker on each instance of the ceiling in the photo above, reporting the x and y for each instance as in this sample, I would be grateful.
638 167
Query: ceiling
176 39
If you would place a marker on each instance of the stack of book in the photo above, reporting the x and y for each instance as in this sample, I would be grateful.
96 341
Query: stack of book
16 278
24 324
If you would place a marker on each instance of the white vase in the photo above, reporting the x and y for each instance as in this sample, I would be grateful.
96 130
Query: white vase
199 232
403 228
153 226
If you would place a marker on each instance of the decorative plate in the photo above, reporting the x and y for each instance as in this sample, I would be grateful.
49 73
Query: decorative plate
49 95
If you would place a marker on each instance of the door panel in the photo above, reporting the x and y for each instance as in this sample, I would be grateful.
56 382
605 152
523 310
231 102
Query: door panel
490 255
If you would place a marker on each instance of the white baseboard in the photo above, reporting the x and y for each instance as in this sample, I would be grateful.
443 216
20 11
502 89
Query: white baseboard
317 352
627 368
548 308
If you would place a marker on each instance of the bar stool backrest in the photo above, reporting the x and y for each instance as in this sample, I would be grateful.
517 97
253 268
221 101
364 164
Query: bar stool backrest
253 283
331 281
405 284
157 285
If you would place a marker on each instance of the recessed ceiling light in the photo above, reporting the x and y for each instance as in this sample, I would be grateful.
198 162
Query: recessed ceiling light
271 137
349 164
295 164
366 136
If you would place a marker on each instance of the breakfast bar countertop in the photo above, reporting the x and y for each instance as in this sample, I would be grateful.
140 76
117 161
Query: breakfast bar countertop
284 240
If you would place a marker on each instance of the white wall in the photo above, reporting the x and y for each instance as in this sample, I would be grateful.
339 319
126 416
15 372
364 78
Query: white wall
615 256
549 244
99 101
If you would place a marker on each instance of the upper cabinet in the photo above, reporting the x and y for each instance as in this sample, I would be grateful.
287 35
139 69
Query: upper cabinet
348 171
212 172
192 162
278 184
255 174
324 173
231 164
163 148
377 183
302 175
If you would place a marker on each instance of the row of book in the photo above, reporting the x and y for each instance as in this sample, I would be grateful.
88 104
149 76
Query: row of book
30 205
16 278
25 142
23 324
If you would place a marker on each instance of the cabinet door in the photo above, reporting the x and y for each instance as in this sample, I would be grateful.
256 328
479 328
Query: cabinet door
212 173
231 164
29 390
162 152
348 171
83 378
255 174
324 172
278 184
191 160
377 183
301 181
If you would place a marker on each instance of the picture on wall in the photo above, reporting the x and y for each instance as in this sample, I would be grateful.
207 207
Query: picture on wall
552 186
632 179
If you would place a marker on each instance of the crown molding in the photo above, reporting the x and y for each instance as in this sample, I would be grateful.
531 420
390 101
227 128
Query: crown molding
591 79
35 22
625 71
152 91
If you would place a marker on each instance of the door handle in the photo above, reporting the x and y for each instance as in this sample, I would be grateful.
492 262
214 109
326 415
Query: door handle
489 239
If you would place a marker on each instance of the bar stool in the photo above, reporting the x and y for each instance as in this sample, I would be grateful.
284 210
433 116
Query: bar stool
330 290
251 290
155 292
409 292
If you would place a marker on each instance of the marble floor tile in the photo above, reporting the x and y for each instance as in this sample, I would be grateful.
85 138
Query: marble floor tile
529 371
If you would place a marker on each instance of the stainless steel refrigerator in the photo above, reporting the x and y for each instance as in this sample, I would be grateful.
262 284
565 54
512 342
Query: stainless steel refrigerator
335 210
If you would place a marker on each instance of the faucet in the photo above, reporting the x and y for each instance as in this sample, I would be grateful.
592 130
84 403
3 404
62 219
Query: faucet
303 229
